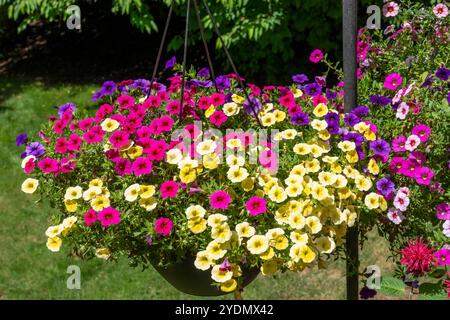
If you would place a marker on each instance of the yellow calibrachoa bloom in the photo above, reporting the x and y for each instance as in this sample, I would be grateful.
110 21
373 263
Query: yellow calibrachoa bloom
258 244
217 219
91 193
54 244
229 286
73 193
248 184
372 200
347 146
363 183
203 260
373 167
245 230
197 225
96 183
320 110
237 174
135 152
215 250
296 220
302 149
206 147
54 231
299 238
277 194
230 109
325 244
30 185
269 267
174 156
147 191
132 192
221 233
237 99
268 119
100 202
313 223
195 211
289 134
188 175
103 253
319 125
71 205
69 222
109 125
148 204
279 115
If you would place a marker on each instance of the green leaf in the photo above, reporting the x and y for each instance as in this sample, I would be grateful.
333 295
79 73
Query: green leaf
432 291
391 286
438 273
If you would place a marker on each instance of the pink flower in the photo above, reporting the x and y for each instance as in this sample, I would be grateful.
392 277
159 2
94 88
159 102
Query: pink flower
153 102
390 9
412 142
404 190
66 165
402 111
393 81
410 168
119 139
163 226
109 216
141 166
417 257
94 135
316 56
256 205
125 102
58 127
61 145
395 216
168 189
442 257
48 165
397 164
217 99
173 107
401 202
218 118
90 217
319 99
424 176
204 103
123 167
422 131
29 166
219 200
440 10
85 124
165 124
287 100
74 142
398 144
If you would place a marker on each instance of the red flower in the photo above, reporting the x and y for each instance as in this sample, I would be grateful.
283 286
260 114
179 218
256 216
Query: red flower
417 257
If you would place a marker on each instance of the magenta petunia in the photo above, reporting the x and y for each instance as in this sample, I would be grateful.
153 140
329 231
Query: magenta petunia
109 216
422 131
61 145
168 189
141 166
393 81
316 56
256 205
74 142
48 165
204 103
119 139
125 102
90 217
218 118
424 176
29 166
123 167
443 211
217 99
398 144
219 200
163 226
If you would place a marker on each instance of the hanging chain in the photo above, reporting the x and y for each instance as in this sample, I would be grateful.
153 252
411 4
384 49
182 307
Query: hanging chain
183 81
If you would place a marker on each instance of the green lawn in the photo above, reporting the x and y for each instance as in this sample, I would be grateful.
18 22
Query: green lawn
28 270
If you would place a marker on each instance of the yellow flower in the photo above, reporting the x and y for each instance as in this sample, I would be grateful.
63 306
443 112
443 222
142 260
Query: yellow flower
195 211
344 193
316 150
372 200
294 190
30 185
363 183
237 99
197 225
347 146
319 125
352 156
302 149
233 160
73 193
148 204
312 166
274 233
330 160
319 192
279 115
257 244
91 193
373 167
54 244
209 112
244 230
325 244
103 253
313 224
289 134
320 110
206 147
298 170
237 174
216 219
203 261
361 127
340 182
336 168
229 286
54 231
293 179
132 192
96 183
135 152
248 184
268 254
324 135
188 175
230 109
299 238
296 220
221 233
307 254
219 275
71 205
269 267
327 178
99 203
215 250
281 242
268 119
297 93
174 156
282 215
69 222
109 125
277 194
370 136
211 161
383 203
147 191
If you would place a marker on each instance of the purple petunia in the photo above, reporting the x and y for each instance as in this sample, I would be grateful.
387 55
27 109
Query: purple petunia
203 72
443 74
96 96
252 106
300 119
35 149
108 88
355 137
361 112
380 147
385 186
170 63
68 106
380 101
313 89
351 119
331 95
300 78
21 139
332 117
448 98
222 82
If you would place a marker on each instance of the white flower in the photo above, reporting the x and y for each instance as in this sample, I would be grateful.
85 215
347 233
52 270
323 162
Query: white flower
206 147
73 193
395 216
173 156
390 9
402 111
401 202
412 142
132 192
440 10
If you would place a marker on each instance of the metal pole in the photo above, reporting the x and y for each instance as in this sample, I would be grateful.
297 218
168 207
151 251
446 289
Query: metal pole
350 29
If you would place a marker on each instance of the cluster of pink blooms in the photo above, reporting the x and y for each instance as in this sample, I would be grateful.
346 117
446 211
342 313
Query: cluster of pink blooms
401 204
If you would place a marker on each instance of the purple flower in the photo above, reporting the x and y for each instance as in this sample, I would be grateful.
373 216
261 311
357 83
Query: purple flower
300 119
222 82
331 95
321 81
68 106
332 117
443 74
443 211
355 137
21 139
225 266
252 106
299 78
366 293
380 147
96 96
201 83
361 112
385 186
108 88
203 72
333 128
170 63
380 101
360 152
35 149
351 119
148 240
313 89
448 98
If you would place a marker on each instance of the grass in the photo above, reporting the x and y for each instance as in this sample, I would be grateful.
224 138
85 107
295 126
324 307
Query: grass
28 270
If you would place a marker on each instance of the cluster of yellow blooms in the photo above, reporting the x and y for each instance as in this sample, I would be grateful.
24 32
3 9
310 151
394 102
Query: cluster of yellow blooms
54 233
145 194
